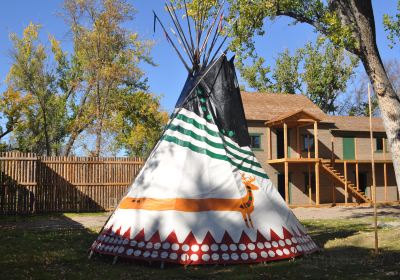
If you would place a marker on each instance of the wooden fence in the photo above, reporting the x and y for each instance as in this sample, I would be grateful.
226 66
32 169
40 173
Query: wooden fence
33 184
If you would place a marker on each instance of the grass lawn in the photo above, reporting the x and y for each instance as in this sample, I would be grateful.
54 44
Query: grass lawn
62 254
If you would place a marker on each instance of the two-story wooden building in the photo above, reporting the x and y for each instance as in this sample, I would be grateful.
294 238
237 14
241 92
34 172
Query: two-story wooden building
314 158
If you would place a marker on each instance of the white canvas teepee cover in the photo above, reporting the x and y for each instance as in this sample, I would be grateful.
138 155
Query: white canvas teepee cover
201 198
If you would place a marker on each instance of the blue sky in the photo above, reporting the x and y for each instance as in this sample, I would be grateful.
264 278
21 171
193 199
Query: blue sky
168 77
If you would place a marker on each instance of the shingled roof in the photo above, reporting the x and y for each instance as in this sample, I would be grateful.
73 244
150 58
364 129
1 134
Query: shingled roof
268 106
353 123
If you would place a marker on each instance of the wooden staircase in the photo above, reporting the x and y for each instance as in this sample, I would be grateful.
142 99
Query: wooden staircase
351 188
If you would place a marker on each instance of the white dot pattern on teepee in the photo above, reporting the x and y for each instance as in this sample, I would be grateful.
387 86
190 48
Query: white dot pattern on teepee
190 251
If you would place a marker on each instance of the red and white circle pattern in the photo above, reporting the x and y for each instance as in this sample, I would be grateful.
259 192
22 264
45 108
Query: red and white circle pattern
208 251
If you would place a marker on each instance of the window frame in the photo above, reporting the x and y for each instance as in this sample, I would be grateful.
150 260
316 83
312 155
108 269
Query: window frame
255 134
380 138
304 137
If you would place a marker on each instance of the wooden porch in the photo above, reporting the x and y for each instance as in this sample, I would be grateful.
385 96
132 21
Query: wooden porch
313 161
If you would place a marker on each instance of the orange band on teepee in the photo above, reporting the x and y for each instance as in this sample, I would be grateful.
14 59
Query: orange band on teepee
182 204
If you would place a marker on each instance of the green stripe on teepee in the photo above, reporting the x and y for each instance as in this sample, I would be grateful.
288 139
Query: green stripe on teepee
211 132
211 154
195 136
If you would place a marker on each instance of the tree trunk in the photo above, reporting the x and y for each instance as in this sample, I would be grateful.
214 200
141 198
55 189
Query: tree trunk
46 133
70 143
99 131
389 101
99 124
9 130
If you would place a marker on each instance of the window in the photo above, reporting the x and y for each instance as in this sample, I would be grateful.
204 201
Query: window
255 141
379 144
308 142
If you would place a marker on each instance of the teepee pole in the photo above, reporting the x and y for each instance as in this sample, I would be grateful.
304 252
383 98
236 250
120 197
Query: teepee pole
172 43
373 172
212 27
213 41
179 30
190 29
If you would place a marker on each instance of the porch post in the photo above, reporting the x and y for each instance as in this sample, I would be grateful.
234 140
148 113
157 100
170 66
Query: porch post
316 140
269 156
317 198
285 142
356 158
298 142
287 182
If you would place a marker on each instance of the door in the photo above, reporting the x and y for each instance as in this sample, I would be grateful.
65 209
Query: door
281 185
348 148
280 143
362 181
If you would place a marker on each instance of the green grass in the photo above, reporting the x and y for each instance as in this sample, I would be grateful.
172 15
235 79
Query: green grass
62 254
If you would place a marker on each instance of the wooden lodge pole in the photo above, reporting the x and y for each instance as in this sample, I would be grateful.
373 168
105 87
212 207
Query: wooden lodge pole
384 167
309 184
346 193
316 156
373 172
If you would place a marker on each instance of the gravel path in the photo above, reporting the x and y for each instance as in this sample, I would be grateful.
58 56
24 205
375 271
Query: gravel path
96 221
341 212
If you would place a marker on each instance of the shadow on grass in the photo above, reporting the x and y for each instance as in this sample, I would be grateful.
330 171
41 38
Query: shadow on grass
60 252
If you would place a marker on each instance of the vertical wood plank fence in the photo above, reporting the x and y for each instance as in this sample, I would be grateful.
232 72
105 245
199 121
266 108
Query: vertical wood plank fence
33 184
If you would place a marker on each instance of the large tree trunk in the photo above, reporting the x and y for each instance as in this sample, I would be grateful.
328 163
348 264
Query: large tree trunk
360 13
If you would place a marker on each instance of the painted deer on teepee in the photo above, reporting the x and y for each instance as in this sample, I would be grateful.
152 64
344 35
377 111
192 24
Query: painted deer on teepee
248 200
244 205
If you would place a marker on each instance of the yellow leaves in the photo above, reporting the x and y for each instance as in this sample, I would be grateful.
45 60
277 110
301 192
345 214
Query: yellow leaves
340 35
13 103
56 49
31 31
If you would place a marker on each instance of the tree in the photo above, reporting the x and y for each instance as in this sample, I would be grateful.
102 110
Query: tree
357 103
347 23
107 56
392 26
12 106
326 72
138 128
54 98
320 71
34 109
286 72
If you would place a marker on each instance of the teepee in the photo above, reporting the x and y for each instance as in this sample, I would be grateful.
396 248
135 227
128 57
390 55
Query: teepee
202 197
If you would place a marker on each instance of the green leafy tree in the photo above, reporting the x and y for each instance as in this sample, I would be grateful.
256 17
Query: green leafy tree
104 67
326 72
318 71
392 26
347 23
286 72
38 125
138 128
256 75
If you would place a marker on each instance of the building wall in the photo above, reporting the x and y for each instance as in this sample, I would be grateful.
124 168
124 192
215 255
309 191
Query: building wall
299 193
